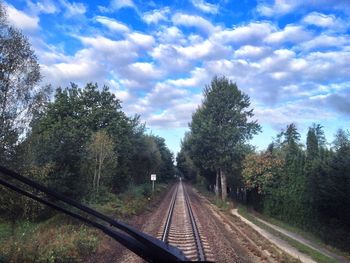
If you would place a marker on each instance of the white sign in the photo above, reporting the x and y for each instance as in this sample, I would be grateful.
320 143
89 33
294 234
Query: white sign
153 177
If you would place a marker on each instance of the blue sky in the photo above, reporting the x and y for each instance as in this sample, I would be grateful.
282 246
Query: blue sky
292 57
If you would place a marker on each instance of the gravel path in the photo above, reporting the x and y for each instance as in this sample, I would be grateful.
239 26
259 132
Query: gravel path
294 236
276 240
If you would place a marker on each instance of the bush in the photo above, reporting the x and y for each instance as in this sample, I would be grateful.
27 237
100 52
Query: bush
52 241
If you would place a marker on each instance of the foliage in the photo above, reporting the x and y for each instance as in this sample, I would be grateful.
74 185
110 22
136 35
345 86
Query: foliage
19 96
78 142
260 170
51 241
307 188
314 254
220 129
102 155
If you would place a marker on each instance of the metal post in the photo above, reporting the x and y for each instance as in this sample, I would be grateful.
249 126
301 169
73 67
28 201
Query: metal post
153 186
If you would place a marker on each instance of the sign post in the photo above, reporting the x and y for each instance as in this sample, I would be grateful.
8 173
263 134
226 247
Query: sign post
153 178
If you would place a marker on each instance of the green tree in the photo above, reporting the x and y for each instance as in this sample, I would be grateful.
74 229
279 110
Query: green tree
186 166
312 149
101 151
62 132
224 126
166 169
19 75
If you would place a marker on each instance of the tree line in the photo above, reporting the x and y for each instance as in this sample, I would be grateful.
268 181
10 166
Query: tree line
75 140
304 185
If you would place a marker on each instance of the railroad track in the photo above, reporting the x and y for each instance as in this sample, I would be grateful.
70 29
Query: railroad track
182 229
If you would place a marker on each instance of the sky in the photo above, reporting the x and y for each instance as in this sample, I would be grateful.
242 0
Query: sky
292 57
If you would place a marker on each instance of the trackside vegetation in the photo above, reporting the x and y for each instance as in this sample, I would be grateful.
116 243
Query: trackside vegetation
75 140
304 185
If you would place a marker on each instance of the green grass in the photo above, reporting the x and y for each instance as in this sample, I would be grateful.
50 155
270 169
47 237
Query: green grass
62 239
317 256
58 239
131 202
5 231
305 234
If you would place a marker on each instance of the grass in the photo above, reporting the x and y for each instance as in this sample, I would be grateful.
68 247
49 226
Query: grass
224 206
58 239
62 239
317 256
5 231
131 202
305 234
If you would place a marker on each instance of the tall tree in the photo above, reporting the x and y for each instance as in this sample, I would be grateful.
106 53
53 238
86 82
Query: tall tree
312 144
20 99
224 125
166 170
19 75
101 150
62 132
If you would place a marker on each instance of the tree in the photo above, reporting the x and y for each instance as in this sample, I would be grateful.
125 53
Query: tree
101 150
291 139
321 139
260 170
185 165
341 140
166 169
312 144
223 124
61 134
146 160
19 75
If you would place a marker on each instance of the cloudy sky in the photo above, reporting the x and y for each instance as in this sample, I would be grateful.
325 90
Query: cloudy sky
292 57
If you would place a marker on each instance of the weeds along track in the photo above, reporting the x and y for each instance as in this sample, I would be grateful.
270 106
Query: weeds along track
182 229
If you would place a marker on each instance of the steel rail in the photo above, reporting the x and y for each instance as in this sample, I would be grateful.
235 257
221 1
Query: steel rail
199 245
169 216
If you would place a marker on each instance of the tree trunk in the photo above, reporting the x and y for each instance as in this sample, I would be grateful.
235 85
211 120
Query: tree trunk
217 184
223 185
95 174
99 166
99 175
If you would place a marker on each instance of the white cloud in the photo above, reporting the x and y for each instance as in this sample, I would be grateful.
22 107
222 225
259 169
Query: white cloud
198 78
142 40
159 71
154 16
282 7
81 68
141 73
279 7
291 33
249 51
118 4
44 6
21 20
245 34
172 35
193 21
298 112
170 59
319 19
74 8
112 24
325 41
205 7
204 50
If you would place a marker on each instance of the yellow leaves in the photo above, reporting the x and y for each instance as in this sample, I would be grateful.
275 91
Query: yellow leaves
259 169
